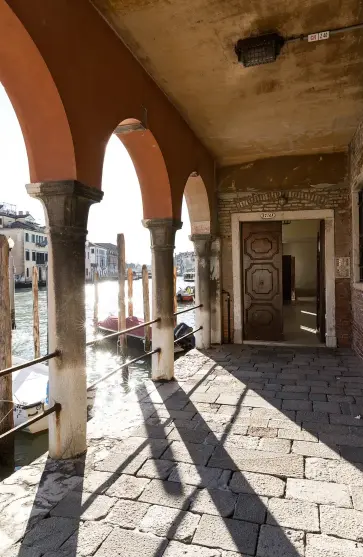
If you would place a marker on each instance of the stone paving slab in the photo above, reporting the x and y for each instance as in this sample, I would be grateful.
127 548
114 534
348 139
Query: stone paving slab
214 501
319 492
133 544
280 542
170 523
169 494
234 535
318 545
127 514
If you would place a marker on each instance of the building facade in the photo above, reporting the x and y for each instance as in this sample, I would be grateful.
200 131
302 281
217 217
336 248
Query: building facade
184 262
100 258
30 243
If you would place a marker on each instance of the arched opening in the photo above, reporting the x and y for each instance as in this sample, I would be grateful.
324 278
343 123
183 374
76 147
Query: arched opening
36 102
198 205
149 166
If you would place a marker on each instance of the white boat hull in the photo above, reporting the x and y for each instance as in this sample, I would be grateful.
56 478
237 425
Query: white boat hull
28 383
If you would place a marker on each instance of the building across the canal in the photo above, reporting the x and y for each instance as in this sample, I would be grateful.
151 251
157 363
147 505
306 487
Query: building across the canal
101 257
184 262
30 243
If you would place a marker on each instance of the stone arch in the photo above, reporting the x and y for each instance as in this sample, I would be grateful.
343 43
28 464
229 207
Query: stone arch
198 204
36 102
150 168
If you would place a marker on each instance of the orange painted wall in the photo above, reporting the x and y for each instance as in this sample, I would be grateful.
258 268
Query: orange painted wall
101 84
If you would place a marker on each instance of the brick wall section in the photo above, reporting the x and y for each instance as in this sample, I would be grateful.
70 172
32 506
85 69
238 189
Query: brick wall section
356 181
337 198
357 305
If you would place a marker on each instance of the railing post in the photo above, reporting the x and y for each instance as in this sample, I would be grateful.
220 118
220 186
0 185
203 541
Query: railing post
130 279
162 232
66 206
202 244
6 389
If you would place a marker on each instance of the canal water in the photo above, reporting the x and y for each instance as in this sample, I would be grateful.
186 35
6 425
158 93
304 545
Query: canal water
99 360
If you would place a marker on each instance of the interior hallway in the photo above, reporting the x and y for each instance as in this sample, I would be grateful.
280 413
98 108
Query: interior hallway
300 323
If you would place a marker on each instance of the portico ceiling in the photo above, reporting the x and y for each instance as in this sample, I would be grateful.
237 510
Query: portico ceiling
308 101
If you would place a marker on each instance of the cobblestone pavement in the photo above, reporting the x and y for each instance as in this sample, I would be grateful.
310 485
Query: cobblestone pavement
251 451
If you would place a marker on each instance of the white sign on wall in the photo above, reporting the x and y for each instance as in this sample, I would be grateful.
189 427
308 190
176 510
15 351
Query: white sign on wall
342 267
318 36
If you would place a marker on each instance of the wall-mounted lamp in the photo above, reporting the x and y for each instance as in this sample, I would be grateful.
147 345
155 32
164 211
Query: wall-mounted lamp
255 51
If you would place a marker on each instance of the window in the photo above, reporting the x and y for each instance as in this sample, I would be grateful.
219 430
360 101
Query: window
45 257
1 221
34 255
27 272
360 213
92 250
26 237
33 238
27 255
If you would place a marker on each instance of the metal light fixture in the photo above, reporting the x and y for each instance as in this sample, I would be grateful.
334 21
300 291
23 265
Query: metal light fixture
255 51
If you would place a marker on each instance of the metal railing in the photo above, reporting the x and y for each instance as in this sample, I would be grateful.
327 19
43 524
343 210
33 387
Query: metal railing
188 334
126 364
188 309
55 408
30 363
119 333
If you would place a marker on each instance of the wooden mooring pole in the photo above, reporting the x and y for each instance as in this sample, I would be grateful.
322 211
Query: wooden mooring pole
130 278
121 293
36 334
12 291
145 293
95 308
6 383
175 300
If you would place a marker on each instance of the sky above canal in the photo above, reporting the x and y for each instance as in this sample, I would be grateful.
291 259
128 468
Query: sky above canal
120 209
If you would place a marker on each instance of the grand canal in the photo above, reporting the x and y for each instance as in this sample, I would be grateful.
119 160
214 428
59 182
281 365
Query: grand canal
99 360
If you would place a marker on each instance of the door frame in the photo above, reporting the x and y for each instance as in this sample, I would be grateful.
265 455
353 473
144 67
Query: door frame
319 214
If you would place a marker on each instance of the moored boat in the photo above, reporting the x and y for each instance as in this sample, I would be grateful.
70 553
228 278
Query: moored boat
137 338
30 395
189 276
185 294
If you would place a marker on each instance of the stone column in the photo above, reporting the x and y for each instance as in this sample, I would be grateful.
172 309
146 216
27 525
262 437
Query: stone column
66 206
162 232
202 248
216 292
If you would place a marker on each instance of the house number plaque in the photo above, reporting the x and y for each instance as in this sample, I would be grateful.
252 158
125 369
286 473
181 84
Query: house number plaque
342 267
267 216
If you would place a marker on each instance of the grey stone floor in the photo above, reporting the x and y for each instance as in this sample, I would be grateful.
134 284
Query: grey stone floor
251 451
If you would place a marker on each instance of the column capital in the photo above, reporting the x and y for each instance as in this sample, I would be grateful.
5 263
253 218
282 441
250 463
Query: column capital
162 232
67 203
202 244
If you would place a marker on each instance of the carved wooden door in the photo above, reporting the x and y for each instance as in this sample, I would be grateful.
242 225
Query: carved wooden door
262 280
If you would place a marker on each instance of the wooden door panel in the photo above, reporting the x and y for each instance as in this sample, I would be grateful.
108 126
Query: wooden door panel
262 273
